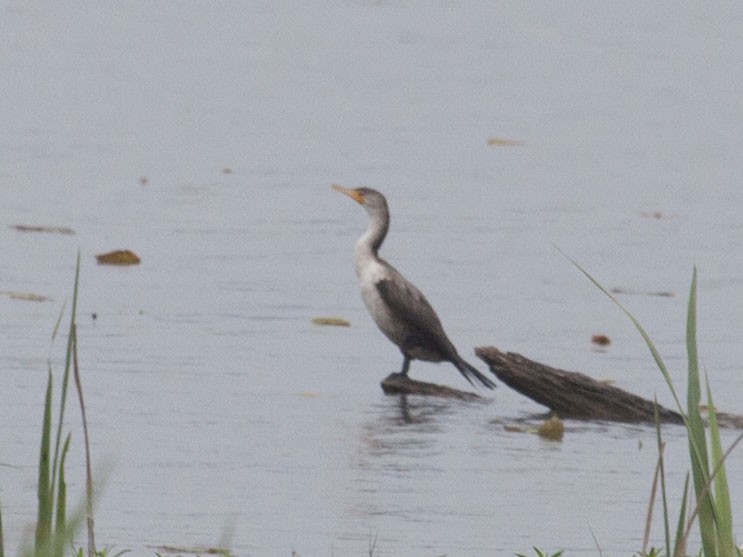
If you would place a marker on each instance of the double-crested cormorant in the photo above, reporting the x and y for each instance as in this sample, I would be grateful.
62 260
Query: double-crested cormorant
399 309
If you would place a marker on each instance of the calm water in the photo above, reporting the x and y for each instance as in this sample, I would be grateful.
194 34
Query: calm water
218 412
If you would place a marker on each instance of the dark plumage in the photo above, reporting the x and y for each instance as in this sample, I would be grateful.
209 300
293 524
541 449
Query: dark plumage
399 309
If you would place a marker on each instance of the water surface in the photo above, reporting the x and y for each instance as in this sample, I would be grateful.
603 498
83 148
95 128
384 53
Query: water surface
216 408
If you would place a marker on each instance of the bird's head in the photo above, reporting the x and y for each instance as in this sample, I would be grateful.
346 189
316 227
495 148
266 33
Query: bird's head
369 199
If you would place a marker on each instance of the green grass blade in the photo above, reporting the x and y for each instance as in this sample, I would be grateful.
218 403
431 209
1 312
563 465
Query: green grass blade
662 475
59 543
2 542
61 502
696 432
65 376
88 463
651 504
45 509
679 544
56 330
724 512
708 486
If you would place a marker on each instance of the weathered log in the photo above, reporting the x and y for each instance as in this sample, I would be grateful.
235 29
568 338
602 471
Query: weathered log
566 394
399 384
571 394
729 420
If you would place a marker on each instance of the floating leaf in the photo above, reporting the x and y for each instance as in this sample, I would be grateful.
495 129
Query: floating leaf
28 296
118 257
331 321
503 142
310 394
601 340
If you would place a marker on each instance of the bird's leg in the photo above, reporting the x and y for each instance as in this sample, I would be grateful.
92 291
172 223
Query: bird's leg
405 365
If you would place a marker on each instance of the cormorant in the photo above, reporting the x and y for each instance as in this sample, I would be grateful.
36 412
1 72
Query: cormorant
399 309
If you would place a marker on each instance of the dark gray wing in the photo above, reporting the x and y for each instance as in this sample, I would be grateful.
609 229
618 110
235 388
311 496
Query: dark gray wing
410 306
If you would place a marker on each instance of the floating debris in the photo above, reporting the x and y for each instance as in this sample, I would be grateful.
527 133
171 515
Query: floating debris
331 321
226 170
143 181
27 296
601 340
310 394
514 428
552 429
658 215
196 550
503 142
46 229
660 293
118 257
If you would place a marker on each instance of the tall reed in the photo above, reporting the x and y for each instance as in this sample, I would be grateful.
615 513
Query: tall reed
54 527
711 508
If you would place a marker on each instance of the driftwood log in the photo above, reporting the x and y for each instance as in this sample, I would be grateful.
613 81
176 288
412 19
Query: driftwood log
571 394
399 384
575 395
567 394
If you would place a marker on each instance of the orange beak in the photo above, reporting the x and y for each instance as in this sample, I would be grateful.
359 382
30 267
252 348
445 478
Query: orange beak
356 195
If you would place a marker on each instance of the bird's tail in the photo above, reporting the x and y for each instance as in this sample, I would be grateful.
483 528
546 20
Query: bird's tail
469 372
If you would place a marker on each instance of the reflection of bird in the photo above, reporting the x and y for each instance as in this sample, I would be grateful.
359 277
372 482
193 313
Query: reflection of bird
399 309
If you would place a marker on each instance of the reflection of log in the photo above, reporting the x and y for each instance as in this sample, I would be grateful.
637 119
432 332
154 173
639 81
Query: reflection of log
398 384
570 394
